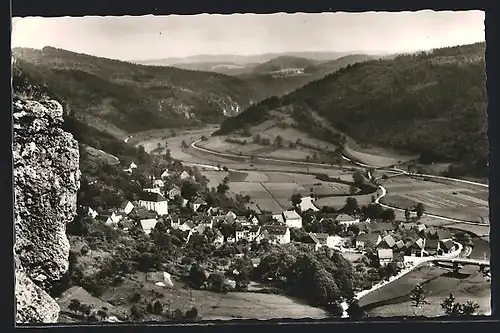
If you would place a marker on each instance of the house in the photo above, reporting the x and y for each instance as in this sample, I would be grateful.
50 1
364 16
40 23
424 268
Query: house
239 233
230 240
173 220
307 203
186 226
416 248
400 246
158 183
367 239
255 262
431 246
421 227
253 231
127 207
173 191
328 241
106 218
240 251
116 217
253 220
292 219
205 220
278 234
184 175
165 174
154 201
132 165
346 220
385 256
387 242
197 203
148 225
152 190
311 242
198 230
204 209
92 213
446 246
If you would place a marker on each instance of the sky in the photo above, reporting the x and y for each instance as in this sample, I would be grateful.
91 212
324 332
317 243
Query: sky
158 37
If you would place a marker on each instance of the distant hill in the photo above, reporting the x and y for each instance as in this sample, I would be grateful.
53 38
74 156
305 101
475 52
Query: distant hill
283 63
227 68
432 103
130 97
242 59
282 75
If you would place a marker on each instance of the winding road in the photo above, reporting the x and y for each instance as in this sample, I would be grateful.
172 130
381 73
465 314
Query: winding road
361 166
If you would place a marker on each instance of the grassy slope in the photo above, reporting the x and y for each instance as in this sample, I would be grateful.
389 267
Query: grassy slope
428 103
133 97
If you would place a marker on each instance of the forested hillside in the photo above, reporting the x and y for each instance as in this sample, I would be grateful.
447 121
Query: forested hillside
431 103
134 97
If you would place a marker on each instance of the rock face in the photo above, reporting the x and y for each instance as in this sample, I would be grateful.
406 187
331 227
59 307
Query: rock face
46 181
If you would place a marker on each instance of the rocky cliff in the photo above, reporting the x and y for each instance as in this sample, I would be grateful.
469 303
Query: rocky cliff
46 181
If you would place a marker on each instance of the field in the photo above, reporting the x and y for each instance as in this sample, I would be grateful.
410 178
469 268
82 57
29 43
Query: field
214 305
393 299
445 199
272 190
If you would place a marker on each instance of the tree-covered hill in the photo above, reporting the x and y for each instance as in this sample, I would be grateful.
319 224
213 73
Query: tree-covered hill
267 80
432 103
134 97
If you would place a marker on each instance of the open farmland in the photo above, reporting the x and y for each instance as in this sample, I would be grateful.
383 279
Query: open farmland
393 299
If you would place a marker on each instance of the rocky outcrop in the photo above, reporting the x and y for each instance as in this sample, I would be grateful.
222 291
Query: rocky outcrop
46 181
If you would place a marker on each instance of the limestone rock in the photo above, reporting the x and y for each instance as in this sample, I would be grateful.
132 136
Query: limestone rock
46 181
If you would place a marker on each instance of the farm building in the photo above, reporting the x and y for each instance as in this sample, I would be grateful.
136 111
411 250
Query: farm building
148 225
307 203
311 241
127 207
292 219
278 234
346 220
367 239
385 256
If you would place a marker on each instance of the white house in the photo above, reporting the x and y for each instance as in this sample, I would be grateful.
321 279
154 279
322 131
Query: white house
127 207
165 174
186 226
279 218
116 217
197 203
132 165
173 192
155 202
292 219
240 233
92 213
385 256
148 225
184 175
307 203
278 234
346 220
329 241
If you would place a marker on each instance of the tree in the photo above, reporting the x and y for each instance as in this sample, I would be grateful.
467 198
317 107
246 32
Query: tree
197 276
103 313
418 296
453 308
279 141
246 130
225 168
353 189
178 315
257 139
204 138
158 307
351 205
355 311
137 313
420 209
216 282
184 145
74 305
223 187
191 314
135 298
86 309
388 215
407 215
296 199
189 190
358 178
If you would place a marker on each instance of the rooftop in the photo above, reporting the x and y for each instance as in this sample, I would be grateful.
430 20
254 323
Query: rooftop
151 196
345 218
385 254
291 215
371 237
276 229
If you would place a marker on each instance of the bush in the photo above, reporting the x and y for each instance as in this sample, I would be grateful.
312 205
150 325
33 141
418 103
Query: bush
192 314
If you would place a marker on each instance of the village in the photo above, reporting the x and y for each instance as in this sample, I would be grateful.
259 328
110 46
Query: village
162 201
